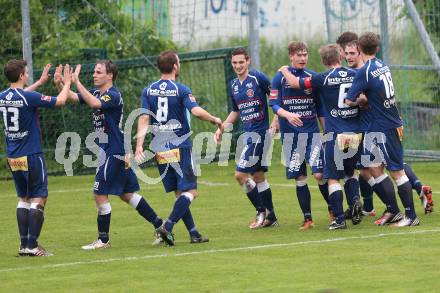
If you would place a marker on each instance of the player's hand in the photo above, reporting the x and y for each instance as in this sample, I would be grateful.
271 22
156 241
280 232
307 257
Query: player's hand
58 76
217 121
45 76
67 74
139 155
274 127
362 101
76 73
218 136
283 69
294 119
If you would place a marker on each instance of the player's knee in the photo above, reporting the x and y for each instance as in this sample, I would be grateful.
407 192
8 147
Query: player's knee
191 194
126 197
101 199
318 176
37 206
301 181
258 177
240 177
104 209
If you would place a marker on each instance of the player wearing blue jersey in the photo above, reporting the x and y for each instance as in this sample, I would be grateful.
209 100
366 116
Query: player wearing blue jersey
248 93
165 104
342 129
297 111
114 174
24 152
384 137
366 181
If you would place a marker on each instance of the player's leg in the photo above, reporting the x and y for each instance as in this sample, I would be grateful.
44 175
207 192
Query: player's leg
22 213
304 200
265 192
424 192
336 199
366 183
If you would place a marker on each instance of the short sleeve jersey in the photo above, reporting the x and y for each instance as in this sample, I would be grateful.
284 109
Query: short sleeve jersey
249 98
108 119
333 86
168 102
19 111
375 81
299 101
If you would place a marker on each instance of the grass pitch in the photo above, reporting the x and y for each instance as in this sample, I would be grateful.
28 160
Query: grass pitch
364 258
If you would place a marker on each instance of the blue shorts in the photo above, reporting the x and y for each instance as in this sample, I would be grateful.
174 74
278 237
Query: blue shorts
115 177
299 149
251 157
338 163
30 175
178 174
384 147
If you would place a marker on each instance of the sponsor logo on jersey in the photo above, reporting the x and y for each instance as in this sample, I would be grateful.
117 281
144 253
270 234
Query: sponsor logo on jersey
106 98
343 73
334 113
163 86
250 93
46 98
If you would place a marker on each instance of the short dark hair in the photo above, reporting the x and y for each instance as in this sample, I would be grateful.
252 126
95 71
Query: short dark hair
369 43
166 61
354 43
345 38
330 54
295 47
240 51
110 67
14 68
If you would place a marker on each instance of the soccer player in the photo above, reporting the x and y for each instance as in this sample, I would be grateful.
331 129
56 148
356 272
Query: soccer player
342 130
165 103
385 132
297 111
24 151
366 181
345 38
248 93
114 174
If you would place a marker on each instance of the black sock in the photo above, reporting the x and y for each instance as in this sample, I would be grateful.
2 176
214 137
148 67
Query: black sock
303 194
36 219
147 212
255 198
104 227
23 222
405 194
266 197
385 190
336 198
189 224
367 194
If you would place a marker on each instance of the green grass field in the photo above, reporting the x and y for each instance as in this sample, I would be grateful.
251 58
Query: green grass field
364 258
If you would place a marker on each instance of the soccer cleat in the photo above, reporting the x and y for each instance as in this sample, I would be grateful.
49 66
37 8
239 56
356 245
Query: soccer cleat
201 239
97 244
157 239
336 226
307 224
258 221
357 213
270 223
37 251
167 236
371 213
406 222
388 218
426 198
348 214
22 251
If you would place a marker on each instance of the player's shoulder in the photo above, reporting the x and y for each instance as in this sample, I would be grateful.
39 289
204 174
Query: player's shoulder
181 88
277 77
114 91
258 74
309 72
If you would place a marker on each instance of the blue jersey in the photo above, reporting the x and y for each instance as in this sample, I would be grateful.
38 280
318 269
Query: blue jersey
19 110
375 81
249 99
333 86
167 103
298 101
108 119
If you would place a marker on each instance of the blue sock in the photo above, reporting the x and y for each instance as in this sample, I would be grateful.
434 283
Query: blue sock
367 194
146 211
336 198
189 224
266 197
323 188
415 182
23 222
385 190
351 189
255 199
36 219
405 193
180 208
303 194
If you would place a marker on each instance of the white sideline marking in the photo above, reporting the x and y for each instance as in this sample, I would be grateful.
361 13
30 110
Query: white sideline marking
213 251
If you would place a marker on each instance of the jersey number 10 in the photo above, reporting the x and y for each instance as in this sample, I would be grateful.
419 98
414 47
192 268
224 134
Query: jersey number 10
388 84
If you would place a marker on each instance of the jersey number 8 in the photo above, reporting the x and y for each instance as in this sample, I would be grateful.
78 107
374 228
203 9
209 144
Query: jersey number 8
162 109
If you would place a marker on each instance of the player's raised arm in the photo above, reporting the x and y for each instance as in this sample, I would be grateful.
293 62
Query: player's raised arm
58 81
67 80
45 77
290 78
87 97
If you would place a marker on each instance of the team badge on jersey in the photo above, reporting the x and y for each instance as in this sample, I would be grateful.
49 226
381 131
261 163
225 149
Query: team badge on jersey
106 98
250 93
